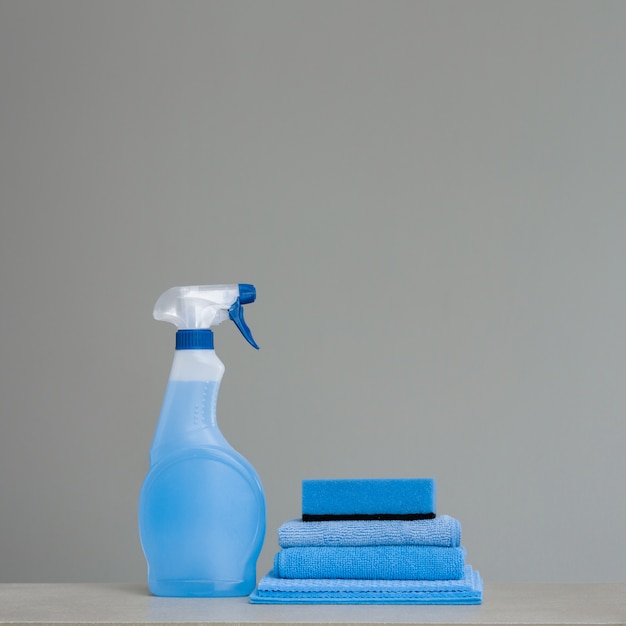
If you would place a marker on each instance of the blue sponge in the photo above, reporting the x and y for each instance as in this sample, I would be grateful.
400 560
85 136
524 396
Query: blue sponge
368 498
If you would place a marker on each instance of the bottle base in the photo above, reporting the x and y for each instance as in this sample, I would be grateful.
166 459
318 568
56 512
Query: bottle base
201 588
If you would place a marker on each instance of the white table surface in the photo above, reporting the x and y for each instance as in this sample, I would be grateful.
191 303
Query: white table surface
515 603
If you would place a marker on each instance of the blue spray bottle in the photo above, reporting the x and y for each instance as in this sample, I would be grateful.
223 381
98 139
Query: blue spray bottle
202 507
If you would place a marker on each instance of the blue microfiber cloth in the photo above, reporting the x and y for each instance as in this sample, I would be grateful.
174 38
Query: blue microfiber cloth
274 590
371 562
442 531
365 498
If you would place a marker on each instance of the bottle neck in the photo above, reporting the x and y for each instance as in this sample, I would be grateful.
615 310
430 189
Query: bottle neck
188 415
196 365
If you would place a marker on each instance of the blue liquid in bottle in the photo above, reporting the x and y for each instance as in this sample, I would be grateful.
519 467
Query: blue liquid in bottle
202 508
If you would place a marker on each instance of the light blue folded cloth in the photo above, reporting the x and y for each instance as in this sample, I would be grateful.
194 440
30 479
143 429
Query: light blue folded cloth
274 590
442 531
371 562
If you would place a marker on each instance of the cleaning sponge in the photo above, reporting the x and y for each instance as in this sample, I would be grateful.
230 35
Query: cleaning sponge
368 498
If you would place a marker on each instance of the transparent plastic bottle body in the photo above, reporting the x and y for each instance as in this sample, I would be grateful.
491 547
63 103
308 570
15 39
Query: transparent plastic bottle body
202 507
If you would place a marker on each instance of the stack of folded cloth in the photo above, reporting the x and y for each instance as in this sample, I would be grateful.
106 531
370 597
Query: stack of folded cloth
370 541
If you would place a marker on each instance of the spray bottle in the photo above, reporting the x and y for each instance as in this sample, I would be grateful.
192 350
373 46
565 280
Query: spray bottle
202 506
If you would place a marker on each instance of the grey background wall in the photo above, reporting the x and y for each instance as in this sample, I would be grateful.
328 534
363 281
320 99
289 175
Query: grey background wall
430 199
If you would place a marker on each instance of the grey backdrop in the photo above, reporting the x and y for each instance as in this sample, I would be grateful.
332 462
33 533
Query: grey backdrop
431 200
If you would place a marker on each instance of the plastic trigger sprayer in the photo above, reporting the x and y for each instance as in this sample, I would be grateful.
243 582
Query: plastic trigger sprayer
202 506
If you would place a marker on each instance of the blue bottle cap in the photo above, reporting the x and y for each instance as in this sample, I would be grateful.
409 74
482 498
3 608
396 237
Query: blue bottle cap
194 339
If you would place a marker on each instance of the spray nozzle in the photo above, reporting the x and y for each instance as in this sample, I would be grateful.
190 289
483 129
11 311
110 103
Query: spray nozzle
204 306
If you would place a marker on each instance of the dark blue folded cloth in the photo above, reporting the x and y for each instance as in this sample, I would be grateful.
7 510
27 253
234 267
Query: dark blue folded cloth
402 562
